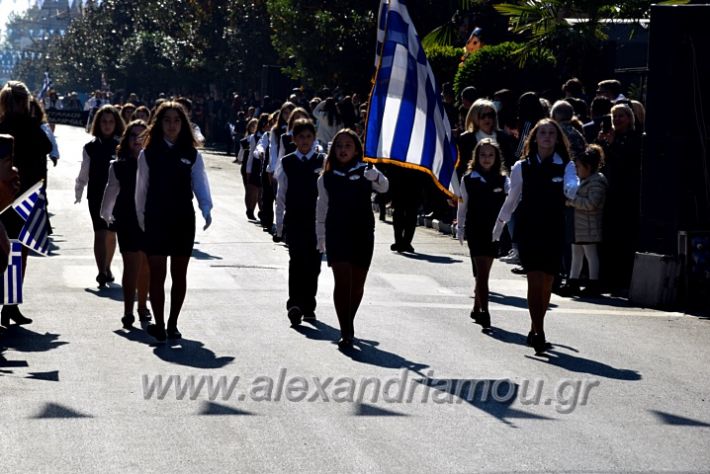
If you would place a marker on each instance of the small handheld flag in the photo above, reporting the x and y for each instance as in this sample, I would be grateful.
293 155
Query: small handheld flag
11 282
35 234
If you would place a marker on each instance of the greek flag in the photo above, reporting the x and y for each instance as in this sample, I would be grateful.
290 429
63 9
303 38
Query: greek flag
11 282
35 233
381 20
24 204
406 122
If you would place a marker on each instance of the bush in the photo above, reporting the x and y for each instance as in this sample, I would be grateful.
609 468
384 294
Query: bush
444 61
498 67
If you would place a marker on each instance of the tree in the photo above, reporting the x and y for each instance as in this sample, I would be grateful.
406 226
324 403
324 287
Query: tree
325 43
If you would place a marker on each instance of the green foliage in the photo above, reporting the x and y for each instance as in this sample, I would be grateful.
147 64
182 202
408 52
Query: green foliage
165 45
329 43
444 61
497 67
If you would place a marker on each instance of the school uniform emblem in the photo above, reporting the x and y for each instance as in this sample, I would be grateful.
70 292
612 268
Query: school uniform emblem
498 190
557 179
185 161
354 177
317 170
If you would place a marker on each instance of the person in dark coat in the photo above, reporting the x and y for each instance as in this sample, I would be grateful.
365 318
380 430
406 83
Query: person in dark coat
30 156
622 168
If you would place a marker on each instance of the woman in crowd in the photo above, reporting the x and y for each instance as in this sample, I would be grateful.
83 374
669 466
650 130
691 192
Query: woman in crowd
30 156
328 121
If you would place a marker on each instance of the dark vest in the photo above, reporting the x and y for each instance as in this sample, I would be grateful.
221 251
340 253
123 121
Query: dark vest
101 152
169 182
302 191
125 209
484 203
349 203
541 210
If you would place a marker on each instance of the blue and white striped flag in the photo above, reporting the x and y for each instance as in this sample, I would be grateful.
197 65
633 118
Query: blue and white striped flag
11 282
381 21
406 121
24 204
35 234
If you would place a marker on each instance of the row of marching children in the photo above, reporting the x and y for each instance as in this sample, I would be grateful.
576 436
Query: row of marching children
315 202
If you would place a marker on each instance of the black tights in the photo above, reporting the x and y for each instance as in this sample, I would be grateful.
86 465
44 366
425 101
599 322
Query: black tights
178 273
482 270
347 294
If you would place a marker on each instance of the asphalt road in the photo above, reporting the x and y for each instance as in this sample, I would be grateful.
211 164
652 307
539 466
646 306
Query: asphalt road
79 393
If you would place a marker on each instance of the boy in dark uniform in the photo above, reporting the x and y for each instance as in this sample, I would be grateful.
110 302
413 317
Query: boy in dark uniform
296 209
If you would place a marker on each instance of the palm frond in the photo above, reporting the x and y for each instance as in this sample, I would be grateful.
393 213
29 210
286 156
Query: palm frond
443 35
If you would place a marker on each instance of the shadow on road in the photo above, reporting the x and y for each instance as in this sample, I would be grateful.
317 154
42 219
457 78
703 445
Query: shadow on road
183 351
442 259
494 396
507 300
200 255
21 339
675 420
364 351
113 292
587 366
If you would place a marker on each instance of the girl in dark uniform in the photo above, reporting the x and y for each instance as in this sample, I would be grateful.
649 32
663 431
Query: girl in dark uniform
118 207
537 190
483 191
170 172
98 153
345 225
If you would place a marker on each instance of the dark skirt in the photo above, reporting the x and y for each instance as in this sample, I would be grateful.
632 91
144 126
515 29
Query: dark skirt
255 175
170 237
96 220
353 250
541 256
481 245
130 238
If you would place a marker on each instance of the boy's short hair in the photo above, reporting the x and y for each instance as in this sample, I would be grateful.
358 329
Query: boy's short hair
301 125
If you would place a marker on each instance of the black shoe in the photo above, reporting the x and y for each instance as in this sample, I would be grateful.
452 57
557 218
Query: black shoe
571 288
474 315
519 271
484 319
144 315
158 332
250 215
395 247
102 279
540 344
127 320
345 343
591 290
173 333
109 277
408 248
12 313
309 317
529 340
294 315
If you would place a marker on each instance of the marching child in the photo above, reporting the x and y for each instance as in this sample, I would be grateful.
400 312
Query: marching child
170 172
98 153
296 209
483 191
118 208
345 225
